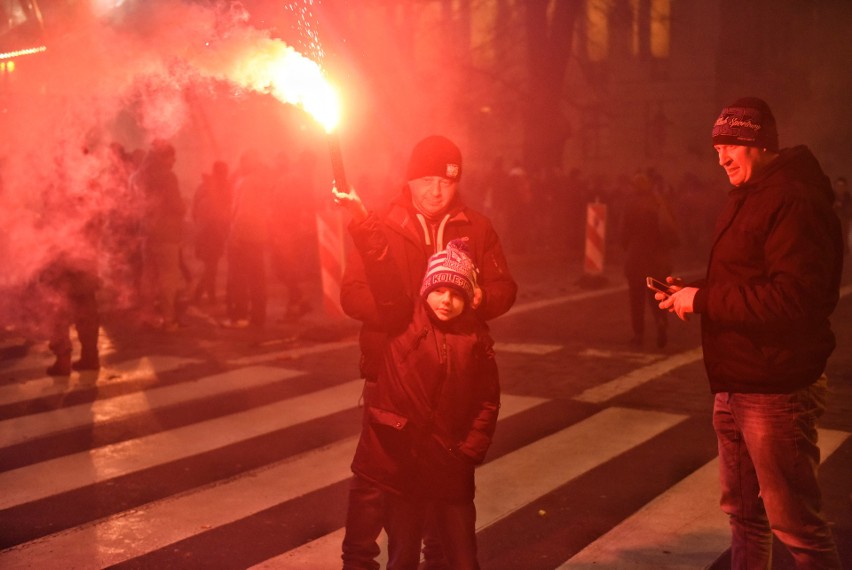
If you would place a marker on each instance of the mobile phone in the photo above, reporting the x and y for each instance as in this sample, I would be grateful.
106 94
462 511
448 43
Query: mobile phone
658 286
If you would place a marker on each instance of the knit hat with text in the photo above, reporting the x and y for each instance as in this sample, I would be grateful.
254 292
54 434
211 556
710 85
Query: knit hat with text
434 156
747 122
451 268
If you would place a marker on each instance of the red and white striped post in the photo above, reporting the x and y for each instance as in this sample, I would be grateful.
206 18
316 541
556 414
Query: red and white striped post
595 256
331 257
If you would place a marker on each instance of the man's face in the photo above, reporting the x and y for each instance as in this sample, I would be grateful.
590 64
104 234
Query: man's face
741 163
445 302
432 194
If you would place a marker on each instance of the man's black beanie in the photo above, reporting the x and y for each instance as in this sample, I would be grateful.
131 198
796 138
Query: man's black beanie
747 122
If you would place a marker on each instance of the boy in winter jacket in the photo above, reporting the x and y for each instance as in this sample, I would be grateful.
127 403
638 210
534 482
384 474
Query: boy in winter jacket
434 410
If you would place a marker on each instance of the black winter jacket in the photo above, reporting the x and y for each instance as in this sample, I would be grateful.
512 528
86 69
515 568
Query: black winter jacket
772 280
410 245
432 412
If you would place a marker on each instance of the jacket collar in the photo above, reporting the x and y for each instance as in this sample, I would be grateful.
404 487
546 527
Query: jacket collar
403 215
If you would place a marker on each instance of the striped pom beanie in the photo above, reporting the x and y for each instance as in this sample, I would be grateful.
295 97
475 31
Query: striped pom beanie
451 268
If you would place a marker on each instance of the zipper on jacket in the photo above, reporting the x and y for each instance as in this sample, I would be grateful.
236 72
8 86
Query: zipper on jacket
439 387
722 231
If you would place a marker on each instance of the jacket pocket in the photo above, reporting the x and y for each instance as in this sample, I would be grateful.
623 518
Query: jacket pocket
387 418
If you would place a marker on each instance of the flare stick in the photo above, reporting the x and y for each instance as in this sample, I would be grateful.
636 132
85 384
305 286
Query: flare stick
337 162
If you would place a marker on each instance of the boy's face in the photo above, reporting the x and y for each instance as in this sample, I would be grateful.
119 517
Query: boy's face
446 302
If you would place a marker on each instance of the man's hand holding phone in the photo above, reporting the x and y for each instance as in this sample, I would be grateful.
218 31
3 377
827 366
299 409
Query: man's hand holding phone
673 296
658 286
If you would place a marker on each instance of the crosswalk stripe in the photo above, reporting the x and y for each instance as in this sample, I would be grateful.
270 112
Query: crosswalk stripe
519 308
133 533
639 357
148 528
292 353
74 471
122 372
526 348
515 479
609 390
324 552
681 528
17 430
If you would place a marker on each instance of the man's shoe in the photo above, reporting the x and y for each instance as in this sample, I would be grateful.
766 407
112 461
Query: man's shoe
62 366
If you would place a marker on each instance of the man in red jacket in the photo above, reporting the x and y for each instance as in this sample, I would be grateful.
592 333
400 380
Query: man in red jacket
427 214
772 282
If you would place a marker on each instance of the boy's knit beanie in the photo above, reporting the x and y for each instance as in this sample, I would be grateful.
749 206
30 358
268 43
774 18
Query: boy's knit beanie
451 268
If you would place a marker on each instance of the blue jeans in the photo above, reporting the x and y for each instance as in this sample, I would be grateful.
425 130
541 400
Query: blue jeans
768 459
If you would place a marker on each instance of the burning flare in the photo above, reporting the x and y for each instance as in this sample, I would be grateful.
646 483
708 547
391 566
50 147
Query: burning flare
266 65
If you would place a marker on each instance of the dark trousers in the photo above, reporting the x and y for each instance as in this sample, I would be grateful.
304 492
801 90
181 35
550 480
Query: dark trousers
73 296
404 519
640 298
246 282
364 522
81 311
207 282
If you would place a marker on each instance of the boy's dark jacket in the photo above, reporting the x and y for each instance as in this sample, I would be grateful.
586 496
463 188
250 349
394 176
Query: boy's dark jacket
405 238
772 280
433 410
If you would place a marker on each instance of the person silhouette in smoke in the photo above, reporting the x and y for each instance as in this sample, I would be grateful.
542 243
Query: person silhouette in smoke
74 284
648 236
293 229
122 236
70 281
211 210
162 228
247 243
